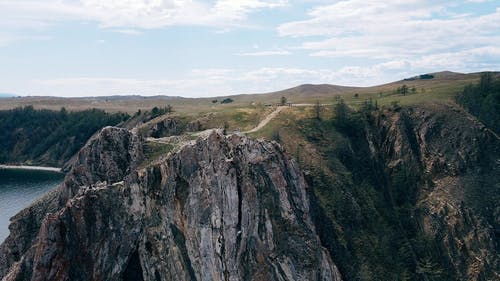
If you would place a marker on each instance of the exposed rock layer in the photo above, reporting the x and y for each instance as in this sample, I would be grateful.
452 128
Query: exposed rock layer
113 154
421 181
224 208
456 161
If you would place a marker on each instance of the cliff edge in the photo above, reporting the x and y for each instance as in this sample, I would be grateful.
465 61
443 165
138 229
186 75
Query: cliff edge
219 208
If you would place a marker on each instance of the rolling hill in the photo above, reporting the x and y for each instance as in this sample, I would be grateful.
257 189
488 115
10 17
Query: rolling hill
442 86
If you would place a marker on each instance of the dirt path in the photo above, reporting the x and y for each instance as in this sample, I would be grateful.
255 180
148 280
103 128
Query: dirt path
203 133
267 119
273 114
24 167
261 125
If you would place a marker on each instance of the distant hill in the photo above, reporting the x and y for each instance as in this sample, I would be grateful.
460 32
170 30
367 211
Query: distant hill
437 86
6 95
313 91
133 97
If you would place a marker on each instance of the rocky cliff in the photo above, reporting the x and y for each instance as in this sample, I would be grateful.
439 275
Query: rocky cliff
112 154
455 163
219 208
408 193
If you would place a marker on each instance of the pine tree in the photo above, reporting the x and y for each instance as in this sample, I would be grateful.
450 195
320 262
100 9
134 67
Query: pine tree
317 110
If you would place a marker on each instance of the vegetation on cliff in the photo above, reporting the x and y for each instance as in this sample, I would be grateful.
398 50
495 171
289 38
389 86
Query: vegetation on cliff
483 100
47 137
396 192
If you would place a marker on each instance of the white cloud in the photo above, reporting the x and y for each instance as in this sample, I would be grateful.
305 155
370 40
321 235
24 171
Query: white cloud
19 17
205 82
199 83
367 41
395 30
144 14
211 82
105 86
238 9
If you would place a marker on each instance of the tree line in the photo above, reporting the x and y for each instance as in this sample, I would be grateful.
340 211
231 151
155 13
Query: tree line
483 100
41 136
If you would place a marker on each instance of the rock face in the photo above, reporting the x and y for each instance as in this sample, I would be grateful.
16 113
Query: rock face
222 208
455 161
408 193
111 154
439 170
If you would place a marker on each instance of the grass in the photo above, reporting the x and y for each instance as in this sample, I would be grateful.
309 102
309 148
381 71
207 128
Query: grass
242 118
154 150
433 90
444 86
290 125
248 110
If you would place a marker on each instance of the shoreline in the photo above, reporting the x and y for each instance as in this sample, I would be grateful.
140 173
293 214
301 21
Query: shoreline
37 168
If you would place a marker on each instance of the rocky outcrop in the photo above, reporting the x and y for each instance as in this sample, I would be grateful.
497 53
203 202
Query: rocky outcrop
455 161
109 155
167 126
222 208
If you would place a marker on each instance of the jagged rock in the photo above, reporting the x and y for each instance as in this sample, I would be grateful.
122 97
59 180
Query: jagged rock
110 155
223 208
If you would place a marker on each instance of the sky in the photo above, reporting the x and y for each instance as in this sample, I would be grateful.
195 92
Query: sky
222 47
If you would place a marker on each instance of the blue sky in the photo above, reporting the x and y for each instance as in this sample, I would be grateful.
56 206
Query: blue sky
220 47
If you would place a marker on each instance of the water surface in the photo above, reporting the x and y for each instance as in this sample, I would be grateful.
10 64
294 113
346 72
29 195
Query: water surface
19 188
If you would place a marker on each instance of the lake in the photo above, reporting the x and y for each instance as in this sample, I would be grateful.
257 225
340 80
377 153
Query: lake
19 188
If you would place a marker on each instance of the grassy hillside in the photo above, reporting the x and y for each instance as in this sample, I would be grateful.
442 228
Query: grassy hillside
244 112
442 86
